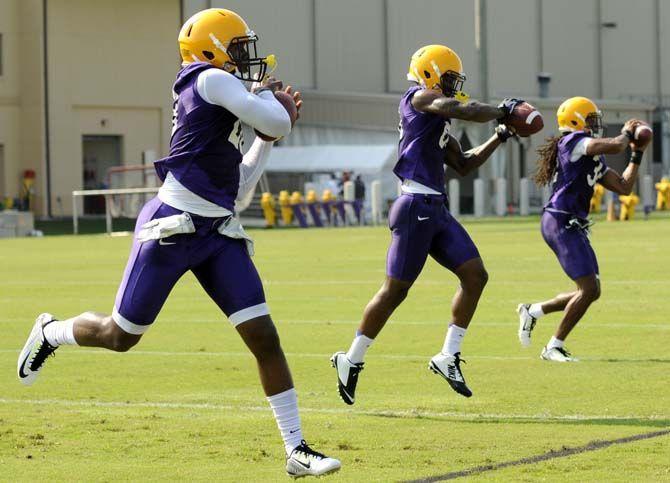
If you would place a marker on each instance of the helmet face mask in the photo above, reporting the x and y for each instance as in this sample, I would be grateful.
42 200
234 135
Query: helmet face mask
594 123
244 57
451 82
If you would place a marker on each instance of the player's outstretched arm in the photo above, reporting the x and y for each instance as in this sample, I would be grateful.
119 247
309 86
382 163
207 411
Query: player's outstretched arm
622 184
261 110
434 102
466 162
614 145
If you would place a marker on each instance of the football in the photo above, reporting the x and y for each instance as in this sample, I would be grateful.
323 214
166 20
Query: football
525 120
642 135
287 101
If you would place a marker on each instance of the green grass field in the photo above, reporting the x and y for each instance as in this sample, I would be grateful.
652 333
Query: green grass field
186 404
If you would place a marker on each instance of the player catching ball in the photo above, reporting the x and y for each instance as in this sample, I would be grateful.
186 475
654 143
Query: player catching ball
191 224
419 220
573 162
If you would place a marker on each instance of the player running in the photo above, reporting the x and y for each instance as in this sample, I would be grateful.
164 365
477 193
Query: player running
419 220
573 163
191 225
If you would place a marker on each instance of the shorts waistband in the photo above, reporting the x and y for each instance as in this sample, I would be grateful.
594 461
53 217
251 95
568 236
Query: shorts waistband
428 197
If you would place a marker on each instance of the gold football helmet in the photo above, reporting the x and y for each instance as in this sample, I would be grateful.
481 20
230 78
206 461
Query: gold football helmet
580 114
222 38
437 67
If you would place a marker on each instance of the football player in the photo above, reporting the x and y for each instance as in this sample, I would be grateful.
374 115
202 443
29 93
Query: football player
574 163
191 225
419 220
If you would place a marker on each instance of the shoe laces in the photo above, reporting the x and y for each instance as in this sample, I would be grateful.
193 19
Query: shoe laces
563 351
306 450
458 360
43 352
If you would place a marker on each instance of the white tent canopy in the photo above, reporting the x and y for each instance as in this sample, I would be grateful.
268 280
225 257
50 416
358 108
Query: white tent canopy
360 159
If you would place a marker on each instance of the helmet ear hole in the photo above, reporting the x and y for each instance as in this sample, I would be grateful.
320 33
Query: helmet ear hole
208 55
574 123
427 74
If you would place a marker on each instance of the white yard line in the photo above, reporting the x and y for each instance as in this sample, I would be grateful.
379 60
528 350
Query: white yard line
512 324
325 356
388 413
305 282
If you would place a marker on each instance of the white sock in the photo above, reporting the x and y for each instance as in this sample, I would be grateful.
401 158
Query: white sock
452 343
358 348
554 342
60 332
285 408
535 310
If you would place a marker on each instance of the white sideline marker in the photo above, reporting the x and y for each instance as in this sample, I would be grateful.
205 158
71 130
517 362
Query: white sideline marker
410 413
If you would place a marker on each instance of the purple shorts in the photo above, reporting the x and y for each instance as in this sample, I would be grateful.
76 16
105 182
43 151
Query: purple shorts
422 225
570 244
222 266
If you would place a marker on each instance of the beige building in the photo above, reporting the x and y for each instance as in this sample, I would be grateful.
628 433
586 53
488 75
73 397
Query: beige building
85 85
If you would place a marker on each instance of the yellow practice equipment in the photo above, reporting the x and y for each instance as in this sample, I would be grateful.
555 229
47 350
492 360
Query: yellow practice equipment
663 194
597 198
285 208
628 204
268 204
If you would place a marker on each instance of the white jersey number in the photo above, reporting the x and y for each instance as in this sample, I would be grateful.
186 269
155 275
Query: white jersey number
597 174
175 99
236 137
444 139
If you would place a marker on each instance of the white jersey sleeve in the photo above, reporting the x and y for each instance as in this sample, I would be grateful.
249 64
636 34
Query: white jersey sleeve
580 149
252 167
262 111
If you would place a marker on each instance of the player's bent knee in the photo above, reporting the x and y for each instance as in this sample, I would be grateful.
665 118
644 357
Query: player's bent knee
591 291
261 337
475 280
395 291
119 340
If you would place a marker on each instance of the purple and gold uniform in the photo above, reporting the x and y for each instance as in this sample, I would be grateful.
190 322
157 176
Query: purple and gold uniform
420 223
564 224
205 145
204 158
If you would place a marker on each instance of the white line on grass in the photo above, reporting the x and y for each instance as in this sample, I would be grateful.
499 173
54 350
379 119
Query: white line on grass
326 356
412 413
280 322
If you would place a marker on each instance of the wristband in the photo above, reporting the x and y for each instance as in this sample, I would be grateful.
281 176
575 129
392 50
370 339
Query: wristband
636 157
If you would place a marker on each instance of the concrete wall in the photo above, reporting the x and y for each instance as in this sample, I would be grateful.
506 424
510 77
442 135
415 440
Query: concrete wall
9 97
114 81
354 46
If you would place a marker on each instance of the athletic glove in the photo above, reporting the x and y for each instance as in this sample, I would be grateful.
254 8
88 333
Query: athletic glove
508 104
504 133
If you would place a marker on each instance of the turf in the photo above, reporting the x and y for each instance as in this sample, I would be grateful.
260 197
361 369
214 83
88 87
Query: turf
185 404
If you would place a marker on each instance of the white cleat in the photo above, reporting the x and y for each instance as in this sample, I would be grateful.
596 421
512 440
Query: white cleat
526 324
449 367
304 461
557 354
35 351
347 376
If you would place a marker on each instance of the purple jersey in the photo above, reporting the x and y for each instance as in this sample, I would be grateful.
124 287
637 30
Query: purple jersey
574 180
205 144
423 144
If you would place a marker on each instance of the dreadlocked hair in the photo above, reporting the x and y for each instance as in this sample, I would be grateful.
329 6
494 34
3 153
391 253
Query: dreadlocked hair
546 164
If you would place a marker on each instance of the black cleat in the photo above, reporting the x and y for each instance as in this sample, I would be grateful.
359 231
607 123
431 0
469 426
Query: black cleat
449 367
347 376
